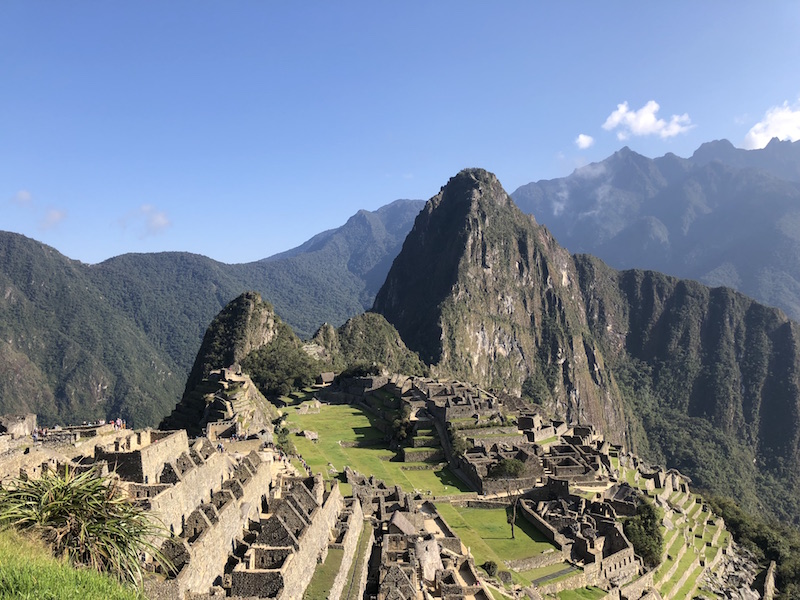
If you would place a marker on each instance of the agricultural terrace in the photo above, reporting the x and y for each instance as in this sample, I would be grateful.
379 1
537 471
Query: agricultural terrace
695 540
341 423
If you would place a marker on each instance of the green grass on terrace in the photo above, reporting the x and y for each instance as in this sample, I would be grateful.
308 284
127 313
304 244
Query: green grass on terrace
534 574
587 593
320 585
341 422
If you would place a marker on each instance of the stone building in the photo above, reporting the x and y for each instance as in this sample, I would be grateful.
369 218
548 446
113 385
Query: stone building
290 540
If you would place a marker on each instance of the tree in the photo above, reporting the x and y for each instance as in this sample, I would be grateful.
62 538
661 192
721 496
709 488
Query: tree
509 470
644 533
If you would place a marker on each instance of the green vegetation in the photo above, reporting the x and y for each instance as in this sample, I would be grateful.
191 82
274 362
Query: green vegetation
768 540
485 532
587 593
117 339
490 567
28 571
348 424
320 585
371 339
644 532
68 354
281 366
507 468
87 519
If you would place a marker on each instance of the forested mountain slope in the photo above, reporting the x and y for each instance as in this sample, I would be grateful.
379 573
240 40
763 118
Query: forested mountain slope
83 342
706 378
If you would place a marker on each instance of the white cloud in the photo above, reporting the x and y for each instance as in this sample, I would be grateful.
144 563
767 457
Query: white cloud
782 122
155 221
644 122
22 197
584 141
148 219
52 218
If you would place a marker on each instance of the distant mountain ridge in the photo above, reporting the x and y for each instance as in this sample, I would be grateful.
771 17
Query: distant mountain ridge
82 342
725 216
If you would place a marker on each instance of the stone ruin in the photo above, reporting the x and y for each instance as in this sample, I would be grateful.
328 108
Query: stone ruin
289 540
415 554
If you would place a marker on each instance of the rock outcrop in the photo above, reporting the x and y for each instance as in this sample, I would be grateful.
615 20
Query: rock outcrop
485 294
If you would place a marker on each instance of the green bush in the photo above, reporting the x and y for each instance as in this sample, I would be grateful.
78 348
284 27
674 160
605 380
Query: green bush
643 531
490 567
86 518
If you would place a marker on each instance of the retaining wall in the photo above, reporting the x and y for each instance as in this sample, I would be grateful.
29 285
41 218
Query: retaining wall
355 525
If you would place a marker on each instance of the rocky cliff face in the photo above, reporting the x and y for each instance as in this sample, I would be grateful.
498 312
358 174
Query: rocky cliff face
703 379
246 324
485 294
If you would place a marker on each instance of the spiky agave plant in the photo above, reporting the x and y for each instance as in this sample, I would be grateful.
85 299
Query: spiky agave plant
87 518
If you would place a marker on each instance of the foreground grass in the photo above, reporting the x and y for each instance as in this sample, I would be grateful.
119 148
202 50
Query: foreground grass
345 423
28 571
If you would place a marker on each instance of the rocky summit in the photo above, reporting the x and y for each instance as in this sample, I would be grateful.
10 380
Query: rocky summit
704 379
485 294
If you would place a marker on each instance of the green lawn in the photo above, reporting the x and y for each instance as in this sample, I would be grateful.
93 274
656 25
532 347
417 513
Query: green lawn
587 593
534 574
487 534
335 423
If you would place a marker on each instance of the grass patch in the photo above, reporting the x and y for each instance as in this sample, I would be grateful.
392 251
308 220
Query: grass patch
587 593
486 532
28 571
345 423
534 574
320 585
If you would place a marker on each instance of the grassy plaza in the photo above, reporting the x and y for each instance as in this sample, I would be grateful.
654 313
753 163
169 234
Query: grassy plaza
338 423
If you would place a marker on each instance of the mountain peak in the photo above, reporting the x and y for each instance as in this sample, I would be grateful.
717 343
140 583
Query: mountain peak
484 294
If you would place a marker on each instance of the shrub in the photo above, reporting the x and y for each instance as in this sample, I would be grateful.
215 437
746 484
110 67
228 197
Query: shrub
644 533
490 567
87 518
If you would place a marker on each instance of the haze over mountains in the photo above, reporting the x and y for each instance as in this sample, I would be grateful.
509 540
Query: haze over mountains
725 216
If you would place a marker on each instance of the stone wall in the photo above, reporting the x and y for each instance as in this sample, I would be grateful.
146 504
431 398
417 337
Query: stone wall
209 552
540 560
355 525
636 589
140 456
18 426
197 485
578 580
434 454
543 526
313 543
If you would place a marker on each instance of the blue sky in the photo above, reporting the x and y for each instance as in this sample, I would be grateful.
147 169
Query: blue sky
240 129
